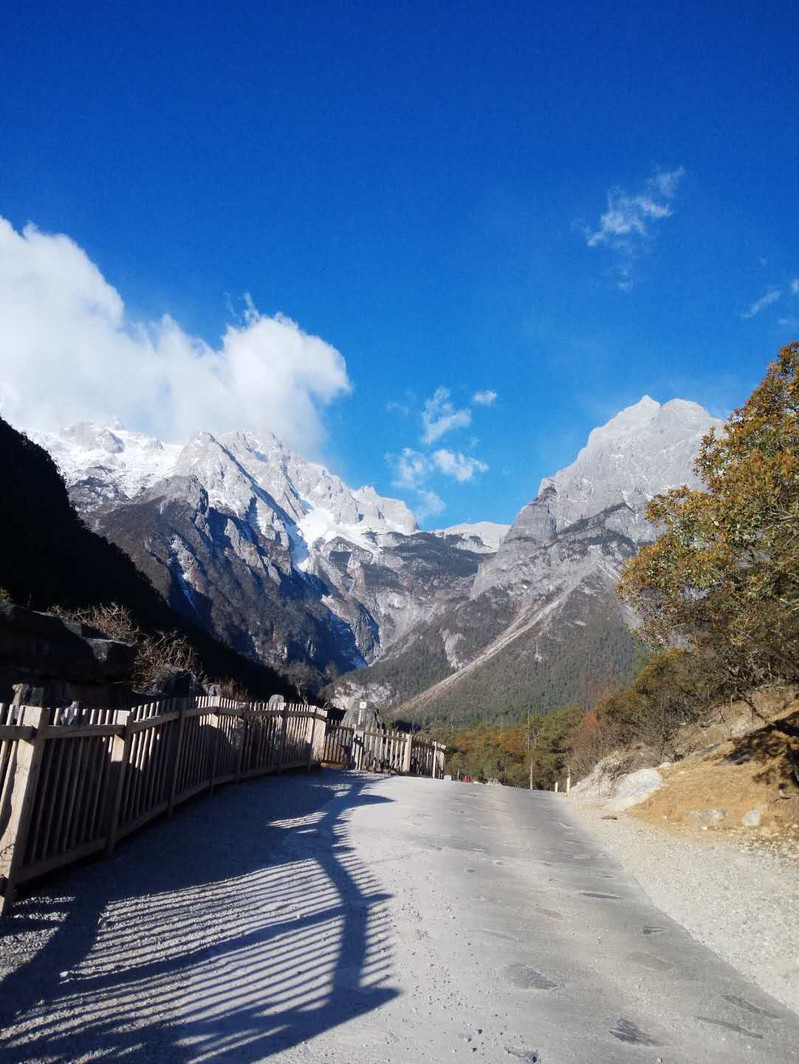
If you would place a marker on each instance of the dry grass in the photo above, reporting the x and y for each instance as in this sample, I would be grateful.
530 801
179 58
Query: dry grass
156 653
233 689
755 770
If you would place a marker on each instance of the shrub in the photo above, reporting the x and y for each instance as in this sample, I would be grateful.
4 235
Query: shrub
156 653
159 653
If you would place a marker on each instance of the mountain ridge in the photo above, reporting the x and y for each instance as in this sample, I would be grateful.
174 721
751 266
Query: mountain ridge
275 554
49 558
548 590
279 557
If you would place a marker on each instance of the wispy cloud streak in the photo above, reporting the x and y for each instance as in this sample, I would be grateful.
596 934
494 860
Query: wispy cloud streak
440 416
760 304
626 227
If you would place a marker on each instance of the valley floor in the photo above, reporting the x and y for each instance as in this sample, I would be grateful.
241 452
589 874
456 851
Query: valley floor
352 919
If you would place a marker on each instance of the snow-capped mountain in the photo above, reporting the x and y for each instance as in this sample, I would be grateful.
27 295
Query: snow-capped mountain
541 624
110 464
642 451
279 557
274 553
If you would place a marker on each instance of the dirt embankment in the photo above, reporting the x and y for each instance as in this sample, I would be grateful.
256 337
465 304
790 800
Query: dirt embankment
743 783
735 774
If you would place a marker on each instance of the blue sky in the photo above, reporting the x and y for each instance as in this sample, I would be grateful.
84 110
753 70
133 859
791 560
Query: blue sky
569 208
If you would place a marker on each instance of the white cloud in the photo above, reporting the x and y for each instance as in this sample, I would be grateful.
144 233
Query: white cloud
69 352
428 504
626 226
458 466
795 286
665 182
411 468
413 471
440 416
760 304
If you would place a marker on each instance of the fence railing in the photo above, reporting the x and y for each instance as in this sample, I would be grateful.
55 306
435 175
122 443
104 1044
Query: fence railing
73 782
383 751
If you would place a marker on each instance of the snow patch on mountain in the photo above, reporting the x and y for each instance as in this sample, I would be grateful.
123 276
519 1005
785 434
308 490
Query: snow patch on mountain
185 564
489 533
251 475
130 462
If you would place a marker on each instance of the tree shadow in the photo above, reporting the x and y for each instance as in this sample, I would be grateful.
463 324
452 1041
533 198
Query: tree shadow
243 927
775 746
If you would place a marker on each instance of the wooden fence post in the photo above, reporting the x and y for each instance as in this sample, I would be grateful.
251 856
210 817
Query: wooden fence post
438 761
243 733
357 749
406 758
216 742
284 723
178 754
23 793
311 736
321 735
120 754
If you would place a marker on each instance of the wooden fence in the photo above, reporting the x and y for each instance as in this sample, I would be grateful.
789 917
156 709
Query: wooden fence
73 782
383 751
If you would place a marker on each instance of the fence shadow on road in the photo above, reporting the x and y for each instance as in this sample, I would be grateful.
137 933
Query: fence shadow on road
235 931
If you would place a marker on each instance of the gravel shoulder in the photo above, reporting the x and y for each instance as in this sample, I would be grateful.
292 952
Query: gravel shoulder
739 902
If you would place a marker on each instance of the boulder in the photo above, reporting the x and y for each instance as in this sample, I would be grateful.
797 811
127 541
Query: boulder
752 818
635 788
709 818
44 646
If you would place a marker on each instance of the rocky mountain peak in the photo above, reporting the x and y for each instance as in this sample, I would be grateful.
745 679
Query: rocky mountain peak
374 508
109 462
537 520
643 450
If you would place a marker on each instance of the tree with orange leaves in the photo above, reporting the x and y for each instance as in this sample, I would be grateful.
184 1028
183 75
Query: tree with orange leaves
723 575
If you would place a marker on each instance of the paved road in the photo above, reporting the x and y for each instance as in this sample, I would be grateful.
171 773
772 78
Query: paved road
352 919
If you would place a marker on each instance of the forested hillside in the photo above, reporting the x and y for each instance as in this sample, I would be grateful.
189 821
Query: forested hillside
573 663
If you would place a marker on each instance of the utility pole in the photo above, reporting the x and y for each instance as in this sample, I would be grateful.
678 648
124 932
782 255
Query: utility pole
532 743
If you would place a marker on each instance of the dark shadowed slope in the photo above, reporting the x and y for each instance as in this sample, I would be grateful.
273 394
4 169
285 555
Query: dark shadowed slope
49 558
